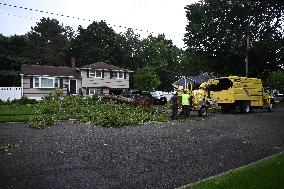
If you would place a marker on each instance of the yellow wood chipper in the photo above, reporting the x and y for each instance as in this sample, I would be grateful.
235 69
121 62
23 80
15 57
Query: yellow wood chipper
234 92
230 93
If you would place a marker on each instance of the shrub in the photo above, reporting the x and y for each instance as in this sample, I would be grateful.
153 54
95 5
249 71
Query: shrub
25 100
54 95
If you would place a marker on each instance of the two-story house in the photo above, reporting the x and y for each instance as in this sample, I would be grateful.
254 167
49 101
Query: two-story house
104 77
37 81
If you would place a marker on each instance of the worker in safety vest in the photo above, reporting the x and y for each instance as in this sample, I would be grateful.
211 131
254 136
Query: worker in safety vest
185 99
174 105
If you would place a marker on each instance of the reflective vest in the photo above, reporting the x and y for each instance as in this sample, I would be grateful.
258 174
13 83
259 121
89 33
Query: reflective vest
185 99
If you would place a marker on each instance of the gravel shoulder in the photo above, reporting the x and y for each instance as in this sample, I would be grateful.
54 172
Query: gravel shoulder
154 155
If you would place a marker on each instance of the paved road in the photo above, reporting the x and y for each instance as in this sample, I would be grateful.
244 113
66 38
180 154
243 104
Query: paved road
155 155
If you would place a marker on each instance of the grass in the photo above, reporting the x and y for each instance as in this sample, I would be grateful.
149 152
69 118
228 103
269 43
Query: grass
267 173
6 147
15 118
16 112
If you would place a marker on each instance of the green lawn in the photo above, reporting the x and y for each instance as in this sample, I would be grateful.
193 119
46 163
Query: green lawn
267 173
16 112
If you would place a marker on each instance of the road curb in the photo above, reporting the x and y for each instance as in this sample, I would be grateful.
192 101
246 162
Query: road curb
226 172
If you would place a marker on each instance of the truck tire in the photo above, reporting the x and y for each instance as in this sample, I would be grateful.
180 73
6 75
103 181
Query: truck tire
225 109
245 107
271 107
203 111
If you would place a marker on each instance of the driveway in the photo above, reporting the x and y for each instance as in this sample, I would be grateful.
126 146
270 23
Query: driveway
153 155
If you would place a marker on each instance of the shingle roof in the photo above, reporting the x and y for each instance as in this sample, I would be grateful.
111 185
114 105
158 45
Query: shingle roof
193 79
104 66
49 70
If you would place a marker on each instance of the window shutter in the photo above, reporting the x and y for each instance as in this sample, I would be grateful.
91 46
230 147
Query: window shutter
61 84
125 75
110 76
88 73
103 73
87 91
31 82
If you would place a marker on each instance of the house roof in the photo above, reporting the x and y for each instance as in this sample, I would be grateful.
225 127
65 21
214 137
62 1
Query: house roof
193 79
49 70
104 66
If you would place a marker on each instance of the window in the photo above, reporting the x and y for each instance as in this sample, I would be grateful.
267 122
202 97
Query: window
56 83
45 82
118 75
36 82
93 91
96 73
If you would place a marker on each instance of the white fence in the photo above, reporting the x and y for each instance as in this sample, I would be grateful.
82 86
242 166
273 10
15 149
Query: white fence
10 93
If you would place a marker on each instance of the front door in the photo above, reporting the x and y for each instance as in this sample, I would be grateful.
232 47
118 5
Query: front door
73 86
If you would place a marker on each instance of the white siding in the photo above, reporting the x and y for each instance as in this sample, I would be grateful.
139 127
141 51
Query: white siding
106 82
41 92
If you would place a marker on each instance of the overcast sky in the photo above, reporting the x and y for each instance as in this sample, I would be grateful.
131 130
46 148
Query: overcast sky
157 16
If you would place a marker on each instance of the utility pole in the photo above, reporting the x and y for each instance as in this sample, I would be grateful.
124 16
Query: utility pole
247 49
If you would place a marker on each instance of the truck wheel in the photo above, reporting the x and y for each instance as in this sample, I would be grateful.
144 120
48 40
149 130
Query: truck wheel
225 109
203 111
245 108
271 107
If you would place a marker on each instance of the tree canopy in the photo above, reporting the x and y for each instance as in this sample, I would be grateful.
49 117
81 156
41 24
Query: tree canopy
48 42
217 30
146 79
276 80
215 42
94 44
51 43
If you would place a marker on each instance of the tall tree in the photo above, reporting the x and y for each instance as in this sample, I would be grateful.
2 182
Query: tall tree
95 43
275 80
129 45
146 79
217 31
13 53
160 53
49 41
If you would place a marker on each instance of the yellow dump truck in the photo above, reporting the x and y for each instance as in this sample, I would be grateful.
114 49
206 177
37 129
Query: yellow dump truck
229 93
235 92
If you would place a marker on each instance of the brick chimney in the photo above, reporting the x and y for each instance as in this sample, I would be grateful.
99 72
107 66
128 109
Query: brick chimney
72 63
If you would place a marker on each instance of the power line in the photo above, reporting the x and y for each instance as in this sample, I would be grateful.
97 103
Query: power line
9 14
72 17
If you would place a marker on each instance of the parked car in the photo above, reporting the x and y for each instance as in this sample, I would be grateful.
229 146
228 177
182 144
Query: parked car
158 97
131 93
278 97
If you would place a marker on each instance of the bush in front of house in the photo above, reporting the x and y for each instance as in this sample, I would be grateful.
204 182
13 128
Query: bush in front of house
25 100
22 101
48 111
105 112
